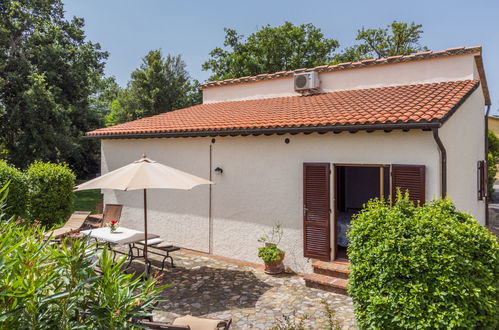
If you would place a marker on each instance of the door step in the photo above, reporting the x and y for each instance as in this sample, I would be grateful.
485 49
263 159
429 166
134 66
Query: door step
329 276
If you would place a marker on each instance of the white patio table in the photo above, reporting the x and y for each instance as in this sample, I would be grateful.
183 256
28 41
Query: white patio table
122 236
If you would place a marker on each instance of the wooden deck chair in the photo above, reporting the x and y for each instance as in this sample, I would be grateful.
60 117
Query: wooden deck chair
190 322
111 212
98 213
74 223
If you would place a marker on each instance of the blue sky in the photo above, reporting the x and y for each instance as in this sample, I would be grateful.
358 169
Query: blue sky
129 29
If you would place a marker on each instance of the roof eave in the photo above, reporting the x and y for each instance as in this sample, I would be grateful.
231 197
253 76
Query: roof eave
272 131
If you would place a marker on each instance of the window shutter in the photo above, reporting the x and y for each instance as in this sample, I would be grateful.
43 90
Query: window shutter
316 210
481 180
409 178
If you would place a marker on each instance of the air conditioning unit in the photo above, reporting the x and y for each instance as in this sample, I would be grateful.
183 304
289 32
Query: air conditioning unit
305 81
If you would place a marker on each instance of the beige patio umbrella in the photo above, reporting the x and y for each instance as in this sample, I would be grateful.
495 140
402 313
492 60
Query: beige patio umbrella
144 174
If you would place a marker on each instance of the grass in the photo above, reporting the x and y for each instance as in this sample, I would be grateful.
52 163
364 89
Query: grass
85 200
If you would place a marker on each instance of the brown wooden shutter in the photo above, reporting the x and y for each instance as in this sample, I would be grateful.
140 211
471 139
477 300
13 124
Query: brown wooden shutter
316 210
409 178
481 180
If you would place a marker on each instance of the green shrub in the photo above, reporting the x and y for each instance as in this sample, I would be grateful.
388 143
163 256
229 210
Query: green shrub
50 192
17 199
422 267
47 286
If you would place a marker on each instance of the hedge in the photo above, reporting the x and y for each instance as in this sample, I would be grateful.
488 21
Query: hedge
422 267
50 192
18 197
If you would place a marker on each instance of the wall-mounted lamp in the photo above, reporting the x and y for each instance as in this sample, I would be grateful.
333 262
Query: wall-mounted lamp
219 170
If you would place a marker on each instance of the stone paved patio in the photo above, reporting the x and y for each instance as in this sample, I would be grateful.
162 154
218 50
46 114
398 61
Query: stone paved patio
213 287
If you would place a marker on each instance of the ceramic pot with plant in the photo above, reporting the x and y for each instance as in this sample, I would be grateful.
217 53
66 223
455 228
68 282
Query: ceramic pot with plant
271 255
113 225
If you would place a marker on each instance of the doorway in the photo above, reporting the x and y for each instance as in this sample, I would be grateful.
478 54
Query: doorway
355 185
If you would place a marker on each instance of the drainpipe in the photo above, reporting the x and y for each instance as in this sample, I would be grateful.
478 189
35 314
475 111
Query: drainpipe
210 218
486 161
443 163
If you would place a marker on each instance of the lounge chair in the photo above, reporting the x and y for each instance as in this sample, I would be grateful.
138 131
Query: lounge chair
190 322
164 248
98 213
74 223
111 212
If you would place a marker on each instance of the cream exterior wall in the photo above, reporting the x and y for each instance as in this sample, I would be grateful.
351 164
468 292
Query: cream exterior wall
451 68
262 184
179 216
463 138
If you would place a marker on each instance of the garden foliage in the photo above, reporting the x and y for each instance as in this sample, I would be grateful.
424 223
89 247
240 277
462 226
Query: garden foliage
18 197
50 192
46 286
422 267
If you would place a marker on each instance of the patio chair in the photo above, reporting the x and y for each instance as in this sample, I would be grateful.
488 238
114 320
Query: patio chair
74 223
111 212
192 323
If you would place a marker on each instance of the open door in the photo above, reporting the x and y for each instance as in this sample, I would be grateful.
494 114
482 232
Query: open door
316 210
355 185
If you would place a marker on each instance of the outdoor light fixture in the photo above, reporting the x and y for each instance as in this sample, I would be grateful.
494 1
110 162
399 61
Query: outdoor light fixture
219 170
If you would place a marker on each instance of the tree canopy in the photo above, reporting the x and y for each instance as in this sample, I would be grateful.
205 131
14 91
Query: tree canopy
290 47
159 85
398 38
48 74
270 49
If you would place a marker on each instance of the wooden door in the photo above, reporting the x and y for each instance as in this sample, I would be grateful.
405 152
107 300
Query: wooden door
316 210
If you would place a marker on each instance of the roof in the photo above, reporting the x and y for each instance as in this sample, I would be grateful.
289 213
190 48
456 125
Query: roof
409 106
368 63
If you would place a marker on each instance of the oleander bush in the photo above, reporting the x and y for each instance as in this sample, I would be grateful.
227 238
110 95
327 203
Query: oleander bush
415 267
18 198
44 286
51 194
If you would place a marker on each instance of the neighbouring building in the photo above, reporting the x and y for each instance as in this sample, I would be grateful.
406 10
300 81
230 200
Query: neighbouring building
307 148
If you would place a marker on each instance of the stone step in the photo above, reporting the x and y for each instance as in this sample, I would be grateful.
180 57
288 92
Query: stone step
326 283
339 269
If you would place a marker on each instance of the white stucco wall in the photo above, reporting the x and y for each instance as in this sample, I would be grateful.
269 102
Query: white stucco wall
179 216
262 184
463 138
451 68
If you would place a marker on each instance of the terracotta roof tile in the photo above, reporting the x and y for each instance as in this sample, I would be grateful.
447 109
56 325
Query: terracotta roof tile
397 104
350 65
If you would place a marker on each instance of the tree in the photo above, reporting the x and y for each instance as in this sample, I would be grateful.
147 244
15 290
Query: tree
270 49
159 85
48 71
396 39
492 162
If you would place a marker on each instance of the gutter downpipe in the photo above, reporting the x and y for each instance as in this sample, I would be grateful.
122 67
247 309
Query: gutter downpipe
486 159
210 216
443 163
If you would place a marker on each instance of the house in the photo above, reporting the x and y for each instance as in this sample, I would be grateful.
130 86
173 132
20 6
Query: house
309 159
493 124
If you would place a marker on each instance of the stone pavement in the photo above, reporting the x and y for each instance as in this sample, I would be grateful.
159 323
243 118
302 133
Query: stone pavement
205 286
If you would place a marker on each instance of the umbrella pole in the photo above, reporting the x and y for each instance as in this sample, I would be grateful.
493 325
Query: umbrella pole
145 233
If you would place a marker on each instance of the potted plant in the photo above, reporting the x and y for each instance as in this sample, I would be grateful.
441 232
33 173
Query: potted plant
270 253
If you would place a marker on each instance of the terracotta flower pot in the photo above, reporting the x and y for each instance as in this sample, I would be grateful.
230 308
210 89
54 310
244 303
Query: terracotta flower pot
275 267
